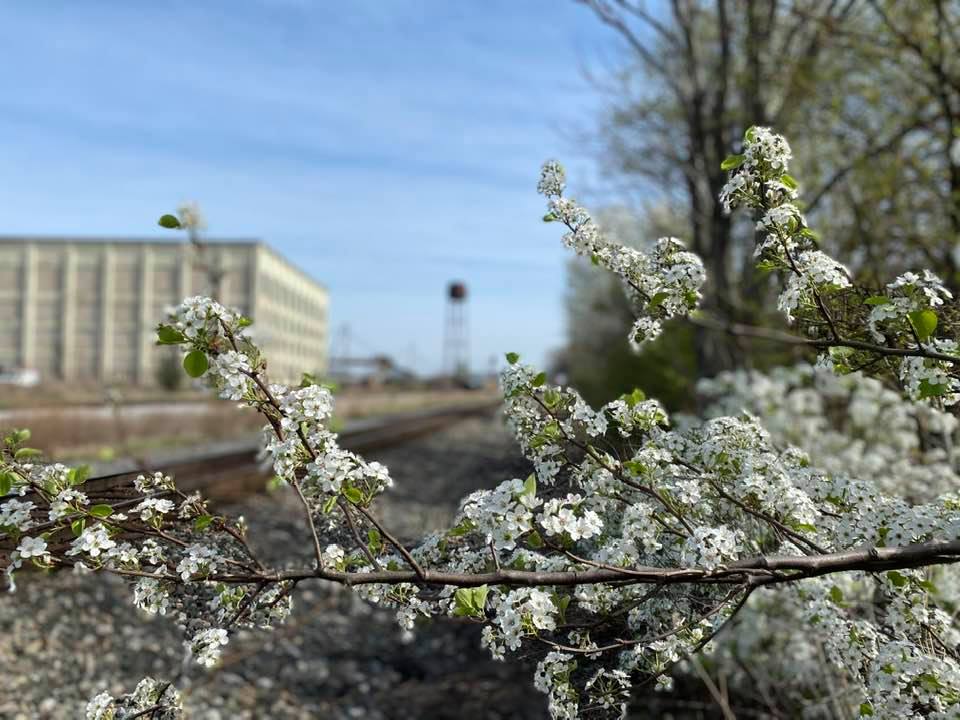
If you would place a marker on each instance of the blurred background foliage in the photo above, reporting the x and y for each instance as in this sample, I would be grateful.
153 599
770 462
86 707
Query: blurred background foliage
867 92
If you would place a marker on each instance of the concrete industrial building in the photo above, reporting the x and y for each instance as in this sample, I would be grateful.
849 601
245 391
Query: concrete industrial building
87 309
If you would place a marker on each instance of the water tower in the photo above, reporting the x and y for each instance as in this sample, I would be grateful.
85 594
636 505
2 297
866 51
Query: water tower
455 344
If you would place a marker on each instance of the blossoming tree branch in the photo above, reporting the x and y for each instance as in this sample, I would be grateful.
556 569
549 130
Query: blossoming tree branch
632 544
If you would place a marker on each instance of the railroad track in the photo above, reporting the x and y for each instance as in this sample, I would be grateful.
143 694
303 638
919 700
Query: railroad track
229 471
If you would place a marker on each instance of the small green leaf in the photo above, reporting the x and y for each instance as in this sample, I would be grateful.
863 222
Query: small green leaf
732 162
657 300
750 135
101 511
22 435
866 710
374 541
636 397
6 483
836 594
549 217
534 540
353 495
78 475
877 300
171 222
470 602
539 380
169 335
462 529
789 181
202 522
512 358
530 486
840 352
26 454
77 526
924 322
928 390
243 321
329 505
897 579
195 363
552 398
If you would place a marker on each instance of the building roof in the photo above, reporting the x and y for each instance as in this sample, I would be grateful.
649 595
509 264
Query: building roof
96 239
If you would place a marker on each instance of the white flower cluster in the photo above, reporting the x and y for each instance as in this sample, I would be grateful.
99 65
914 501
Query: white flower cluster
231 369
200 317
67 502
93 542
663 283
151 698
16 515
207 645
153 509
152 483
560 517
199 560
815 272
501 515
760 171
552 678
908 293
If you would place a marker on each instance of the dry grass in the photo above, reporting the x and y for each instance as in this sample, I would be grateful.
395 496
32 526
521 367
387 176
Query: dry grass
104 431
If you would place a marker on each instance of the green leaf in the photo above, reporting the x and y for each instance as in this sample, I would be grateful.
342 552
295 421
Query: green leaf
243 321
928 390
840 352
171 222
78 475
530 485
552 398
789 181
534 540
877 300
924 322
6 483
657 300
353 495
866 710
195 363
77 526
26 454
22 435
750 135
329 505
462 529
202 522
634 398
732 162
897 579
374 541
169 335
470 602
540 379
836 594
512 358
101 511
549 217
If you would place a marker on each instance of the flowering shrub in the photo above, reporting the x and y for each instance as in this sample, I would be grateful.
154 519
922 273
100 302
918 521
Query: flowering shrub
630 546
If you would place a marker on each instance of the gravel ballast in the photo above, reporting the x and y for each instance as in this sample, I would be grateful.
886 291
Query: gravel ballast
67 636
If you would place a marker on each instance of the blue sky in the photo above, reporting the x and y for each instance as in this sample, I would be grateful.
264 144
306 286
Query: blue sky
386 147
